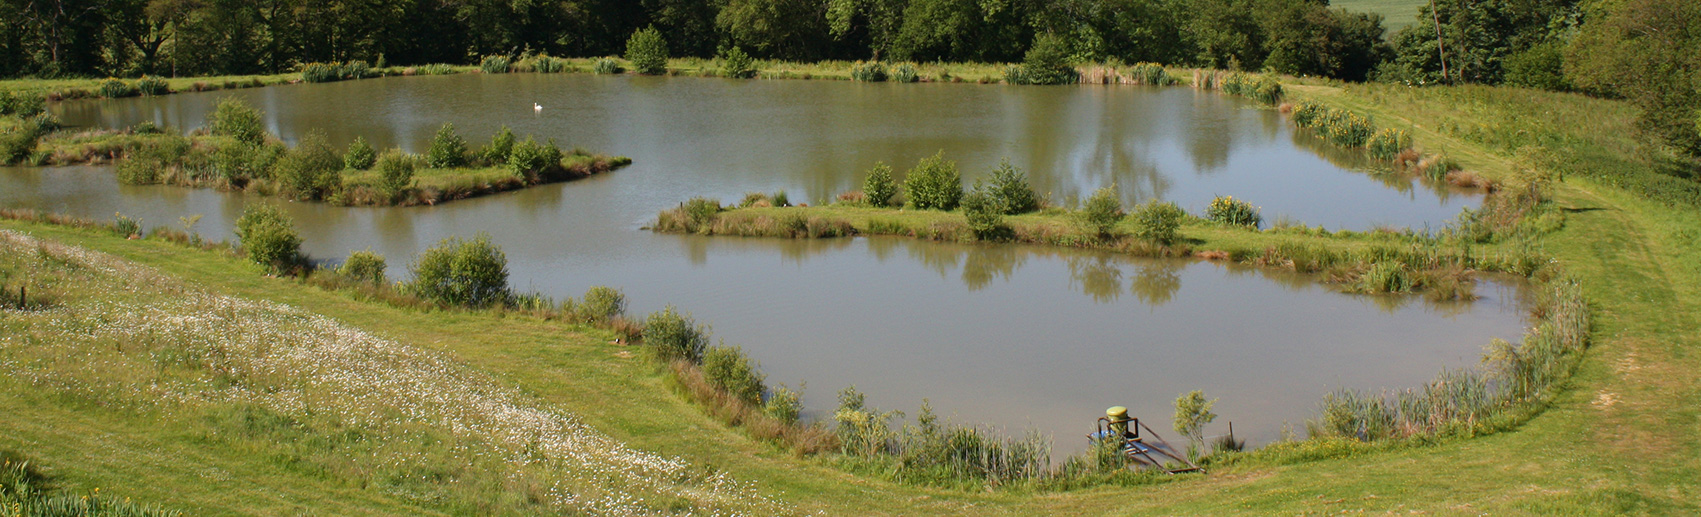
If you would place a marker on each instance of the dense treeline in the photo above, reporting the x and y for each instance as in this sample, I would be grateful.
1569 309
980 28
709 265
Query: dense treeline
1642 50
200 37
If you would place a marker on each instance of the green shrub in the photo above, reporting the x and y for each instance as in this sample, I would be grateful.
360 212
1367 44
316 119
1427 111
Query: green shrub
365 266
22 104
395 172
869 72
1264 89
647 51
1151 74
934 183
447 149
236 119
878 187
607 66
779 199
1157 221
466 273
360 155
238 162
699 212
320 72
862 431
1192 412
729 369
1010 188
126 226
602 304
1047 62
531 158
1541 66
495 64
675 336
736 64
268 237
17 144
500 146
784 404
905 73
152 86
1231 211
1388 143
116 88
147 163
146 127
1101 212
312 170
985 213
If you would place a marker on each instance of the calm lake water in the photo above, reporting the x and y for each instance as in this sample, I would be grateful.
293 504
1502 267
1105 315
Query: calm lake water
1012 336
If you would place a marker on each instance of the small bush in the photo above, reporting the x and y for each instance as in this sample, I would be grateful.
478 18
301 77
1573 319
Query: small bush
878 186
1047 62
395 172
365 266
647 51
18 144
1192 412
447 149
360 155
675 336
779 199
985 213
530 158
268 237
1264 89
736 64
869 72
1231 211
905 73
729 369
125 226
239 162
495 64
934 183
236 119
1157 221
784 404
466 273
607 66
116 88
699 212
312 170
22 104
1010 188
1101 212
152 86
602 304
500 146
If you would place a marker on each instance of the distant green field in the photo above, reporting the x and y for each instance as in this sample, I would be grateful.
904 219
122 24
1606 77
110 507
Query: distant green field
1396 14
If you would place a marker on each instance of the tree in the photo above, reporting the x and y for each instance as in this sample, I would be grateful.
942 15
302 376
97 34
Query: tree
268 237
1648 51
463 273
647 51
1192 412
780 29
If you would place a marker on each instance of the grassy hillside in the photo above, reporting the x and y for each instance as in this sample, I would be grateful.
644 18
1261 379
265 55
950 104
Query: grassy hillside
1396 14
159 408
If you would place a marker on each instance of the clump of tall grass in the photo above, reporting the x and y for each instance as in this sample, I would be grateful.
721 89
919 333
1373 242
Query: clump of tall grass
869 72
1340 127
693 216
1386 277
540 63
116 88
27 491
1262 88
929 452
1388 143
1517 376
737 64
905 73
607 66
934 183
151 86
330 72
126 226
1150 74
1234 212
22 104
496 64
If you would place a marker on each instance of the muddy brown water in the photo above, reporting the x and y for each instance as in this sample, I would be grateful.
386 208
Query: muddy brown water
1015 337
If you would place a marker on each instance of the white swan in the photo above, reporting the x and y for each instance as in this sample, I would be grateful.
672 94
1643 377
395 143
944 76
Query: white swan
537 107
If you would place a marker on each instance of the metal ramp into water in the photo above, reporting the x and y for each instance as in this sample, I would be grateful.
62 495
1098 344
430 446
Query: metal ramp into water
1141 453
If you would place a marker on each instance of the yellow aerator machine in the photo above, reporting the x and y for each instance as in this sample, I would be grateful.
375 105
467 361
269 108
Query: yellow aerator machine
1116 427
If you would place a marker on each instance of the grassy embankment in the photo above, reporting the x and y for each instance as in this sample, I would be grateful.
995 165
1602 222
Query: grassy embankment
1631 401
